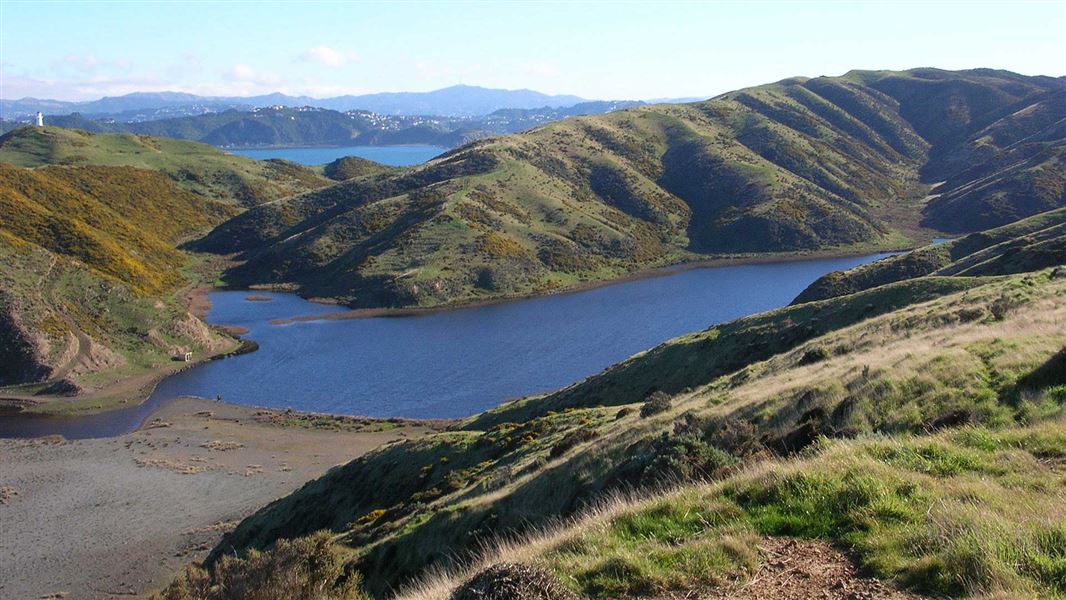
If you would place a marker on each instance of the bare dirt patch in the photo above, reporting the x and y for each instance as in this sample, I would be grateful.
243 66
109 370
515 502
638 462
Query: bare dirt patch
803 569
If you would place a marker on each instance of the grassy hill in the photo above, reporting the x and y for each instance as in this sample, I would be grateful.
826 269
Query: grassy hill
198 168
120 221
1035 242
67 329
89 264
917 425
90 259
831 164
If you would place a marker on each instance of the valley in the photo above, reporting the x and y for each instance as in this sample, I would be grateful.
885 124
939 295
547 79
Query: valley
829 386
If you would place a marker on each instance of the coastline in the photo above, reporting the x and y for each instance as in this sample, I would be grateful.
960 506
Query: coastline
646 273
199 304
113 395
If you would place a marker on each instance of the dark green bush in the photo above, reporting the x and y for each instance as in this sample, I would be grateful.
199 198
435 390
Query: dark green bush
656 403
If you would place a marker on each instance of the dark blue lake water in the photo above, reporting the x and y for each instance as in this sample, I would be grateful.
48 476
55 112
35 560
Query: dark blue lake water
396 156
455 363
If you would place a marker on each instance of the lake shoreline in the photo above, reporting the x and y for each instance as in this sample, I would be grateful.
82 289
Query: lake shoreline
648 273
13 406
200 303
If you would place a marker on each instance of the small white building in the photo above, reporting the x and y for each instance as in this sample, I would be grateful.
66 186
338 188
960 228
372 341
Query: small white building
40 119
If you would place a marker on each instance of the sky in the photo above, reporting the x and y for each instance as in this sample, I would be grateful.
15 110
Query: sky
603 50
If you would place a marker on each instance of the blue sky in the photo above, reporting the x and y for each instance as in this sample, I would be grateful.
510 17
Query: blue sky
621 50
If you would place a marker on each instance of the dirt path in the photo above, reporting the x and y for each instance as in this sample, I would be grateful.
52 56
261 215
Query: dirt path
803 569
115 518
80 338
84 343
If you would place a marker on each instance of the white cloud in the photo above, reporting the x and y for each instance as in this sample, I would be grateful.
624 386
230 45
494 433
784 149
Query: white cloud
330 57
243 73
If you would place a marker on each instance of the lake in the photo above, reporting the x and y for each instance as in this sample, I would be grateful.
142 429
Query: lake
453 363
396 156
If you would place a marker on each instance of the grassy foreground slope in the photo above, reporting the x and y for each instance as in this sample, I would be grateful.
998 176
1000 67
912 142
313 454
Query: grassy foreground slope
198 168
831 164
974 510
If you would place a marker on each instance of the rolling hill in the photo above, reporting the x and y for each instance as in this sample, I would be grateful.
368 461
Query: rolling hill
918 425
831 164
1038 241
309 126
195 167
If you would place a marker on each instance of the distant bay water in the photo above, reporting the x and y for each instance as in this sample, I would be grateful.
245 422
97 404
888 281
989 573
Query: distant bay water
396 156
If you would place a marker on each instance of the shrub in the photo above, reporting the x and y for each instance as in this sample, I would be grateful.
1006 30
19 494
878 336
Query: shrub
686 453
656 403
513 582
309 568
578 436
816 354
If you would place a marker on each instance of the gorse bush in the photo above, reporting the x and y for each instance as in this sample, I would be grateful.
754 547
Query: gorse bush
309 568
656 403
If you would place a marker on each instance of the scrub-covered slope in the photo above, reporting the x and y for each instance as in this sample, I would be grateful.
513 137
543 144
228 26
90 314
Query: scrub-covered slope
824 164
985 354
1029 244
89 267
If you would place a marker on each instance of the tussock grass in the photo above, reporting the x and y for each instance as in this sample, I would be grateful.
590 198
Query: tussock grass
918 373
973 512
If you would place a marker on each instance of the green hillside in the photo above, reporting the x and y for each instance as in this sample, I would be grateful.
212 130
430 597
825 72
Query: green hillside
831 164
90 268
198 168
67 329
91 265
917 425
120 221
1032 243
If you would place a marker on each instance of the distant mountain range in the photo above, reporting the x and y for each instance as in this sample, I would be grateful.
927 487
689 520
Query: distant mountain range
309 126
454 101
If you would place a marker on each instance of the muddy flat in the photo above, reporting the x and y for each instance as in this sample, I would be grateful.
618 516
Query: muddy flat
118 517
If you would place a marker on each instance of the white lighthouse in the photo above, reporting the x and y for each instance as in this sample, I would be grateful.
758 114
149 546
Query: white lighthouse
40 119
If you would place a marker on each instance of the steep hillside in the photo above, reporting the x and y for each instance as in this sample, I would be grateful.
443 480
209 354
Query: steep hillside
66 330
120 221
1032 243
89 266
802 165
197 168
968 511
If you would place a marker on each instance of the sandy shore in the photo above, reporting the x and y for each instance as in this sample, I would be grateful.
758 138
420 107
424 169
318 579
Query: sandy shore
118 517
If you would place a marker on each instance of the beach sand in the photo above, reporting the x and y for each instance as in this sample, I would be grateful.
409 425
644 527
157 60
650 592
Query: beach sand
118 517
